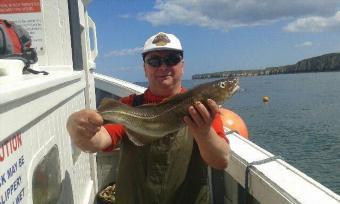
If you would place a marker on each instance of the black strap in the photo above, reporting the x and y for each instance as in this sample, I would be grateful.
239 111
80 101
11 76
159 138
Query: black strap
138 100
28 69
3 45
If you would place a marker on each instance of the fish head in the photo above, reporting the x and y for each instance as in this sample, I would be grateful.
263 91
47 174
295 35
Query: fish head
221 90
230 86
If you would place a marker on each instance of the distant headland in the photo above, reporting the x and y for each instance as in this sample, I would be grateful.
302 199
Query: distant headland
324 63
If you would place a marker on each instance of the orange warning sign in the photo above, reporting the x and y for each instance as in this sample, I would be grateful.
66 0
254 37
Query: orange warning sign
19 6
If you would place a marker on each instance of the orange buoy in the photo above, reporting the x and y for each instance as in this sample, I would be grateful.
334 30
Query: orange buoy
234 122
265 99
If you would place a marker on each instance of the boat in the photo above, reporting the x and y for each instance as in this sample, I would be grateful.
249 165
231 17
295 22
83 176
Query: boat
39 163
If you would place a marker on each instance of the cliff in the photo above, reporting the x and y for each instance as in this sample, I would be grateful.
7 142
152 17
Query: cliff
323 63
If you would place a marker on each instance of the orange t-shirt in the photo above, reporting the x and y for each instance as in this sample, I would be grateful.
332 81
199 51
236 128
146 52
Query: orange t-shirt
117 131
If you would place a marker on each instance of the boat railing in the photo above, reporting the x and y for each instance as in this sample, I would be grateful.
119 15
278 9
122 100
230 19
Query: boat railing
268 178
116 86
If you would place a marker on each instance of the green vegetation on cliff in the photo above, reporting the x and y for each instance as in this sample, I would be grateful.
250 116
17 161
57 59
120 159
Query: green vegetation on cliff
324 63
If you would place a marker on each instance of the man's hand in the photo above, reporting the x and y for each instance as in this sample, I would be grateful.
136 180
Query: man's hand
201 118
213 149
86 131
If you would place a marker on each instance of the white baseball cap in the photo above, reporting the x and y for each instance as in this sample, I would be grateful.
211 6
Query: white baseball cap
162 41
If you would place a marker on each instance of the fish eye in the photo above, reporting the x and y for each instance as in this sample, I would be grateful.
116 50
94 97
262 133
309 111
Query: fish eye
222 85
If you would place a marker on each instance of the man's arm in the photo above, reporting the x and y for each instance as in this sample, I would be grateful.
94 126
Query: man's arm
213 148
86 131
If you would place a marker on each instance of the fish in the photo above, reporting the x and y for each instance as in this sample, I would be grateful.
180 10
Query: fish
147 123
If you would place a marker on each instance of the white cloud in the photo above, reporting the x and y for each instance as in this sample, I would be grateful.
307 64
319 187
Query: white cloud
229 14
314 24
124 52
305 44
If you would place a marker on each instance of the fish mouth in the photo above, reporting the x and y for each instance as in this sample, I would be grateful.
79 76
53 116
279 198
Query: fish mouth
235 89
234 85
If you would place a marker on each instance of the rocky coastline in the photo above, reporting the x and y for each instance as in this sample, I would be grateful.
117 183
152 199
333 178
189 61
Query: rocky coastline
324 63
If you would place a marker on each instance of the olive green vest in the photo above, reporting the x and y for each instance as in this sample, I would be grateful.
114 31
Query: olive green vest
169 170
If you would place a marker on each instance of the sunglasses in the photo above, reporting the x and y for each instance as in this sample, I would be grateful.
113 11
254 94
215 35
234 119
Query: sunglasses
169 60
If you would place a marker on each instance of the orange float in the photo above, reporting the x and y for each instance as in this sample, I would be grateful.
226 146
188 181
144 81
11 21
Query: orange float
234 122
265 99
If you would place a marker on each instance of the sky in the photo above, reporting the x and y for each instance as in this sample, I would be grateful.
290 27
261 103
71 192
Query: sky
216 35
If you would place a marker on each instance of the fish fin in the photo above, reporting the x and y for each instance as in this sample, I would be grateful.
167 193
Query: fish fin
132 137
107 104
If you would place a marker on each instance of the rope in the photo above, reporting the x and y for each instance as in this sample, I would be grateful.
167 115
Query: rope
251 164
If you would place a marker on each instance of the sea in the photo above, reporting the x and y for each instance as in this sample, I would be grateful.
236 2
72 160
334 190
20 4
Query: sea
301 121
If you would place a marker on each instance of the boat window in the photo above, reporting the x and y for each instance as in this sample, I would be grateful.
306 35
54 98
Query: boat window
46 182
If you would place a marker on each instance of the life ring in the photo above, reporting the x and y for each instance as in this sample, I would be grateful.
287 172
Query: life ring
234 122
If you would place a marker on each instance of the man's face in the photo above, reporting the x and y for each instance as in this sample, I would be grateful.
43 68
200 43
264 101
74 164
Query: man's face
164 69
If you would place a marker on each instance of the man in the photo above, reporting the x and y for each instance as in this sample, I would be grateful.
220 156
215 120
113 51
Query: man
172 169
